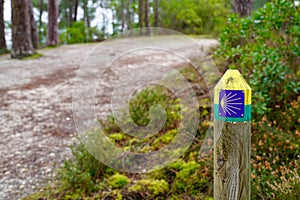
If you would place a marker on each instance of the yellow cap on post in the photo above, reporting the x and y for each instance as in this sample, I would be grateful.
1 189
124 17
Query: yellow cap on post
232 98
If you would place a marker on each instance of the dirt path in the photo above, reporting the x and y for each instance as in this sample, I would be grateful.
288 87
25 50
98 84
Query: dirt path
36 112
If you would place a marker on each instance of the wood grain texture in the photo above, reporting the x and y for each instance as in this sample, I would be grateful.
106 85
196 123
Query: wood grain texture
232 160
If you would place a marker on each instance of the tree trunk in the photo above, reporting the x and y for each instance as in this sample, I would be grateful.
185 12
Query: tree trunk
156 13
87 19
52 29
129 15
75 10
34 33
21 29
243 7
40 19
141 13
2 27
71 13
147 22
122 15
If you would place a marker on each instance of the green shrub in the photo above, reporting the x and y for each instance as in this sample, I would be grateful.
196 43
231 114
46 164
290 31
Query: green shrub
265 47
141 103
82 172
195 17
75 34
79 33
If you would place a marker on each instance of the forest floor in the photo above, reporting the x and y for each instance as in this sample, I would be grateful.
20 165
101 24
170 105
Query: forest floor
36 122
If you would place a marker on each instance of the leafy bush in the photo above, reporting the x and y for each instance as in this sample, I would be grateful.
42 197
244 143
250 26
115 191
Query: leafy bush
194 17
265 47
79 33
150 97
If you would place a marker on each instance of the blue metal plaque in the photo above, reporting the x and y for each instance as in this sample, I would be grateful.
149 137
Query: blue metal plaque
231 103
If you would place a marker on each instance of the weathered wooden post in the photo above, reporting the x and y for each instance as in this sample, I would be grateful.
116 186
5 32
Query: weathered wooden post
232 137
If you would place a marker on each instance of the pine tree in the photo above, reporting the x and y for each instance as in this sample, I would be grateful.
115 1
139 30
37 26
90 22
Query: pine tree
52 28
21 29
33 28
2 28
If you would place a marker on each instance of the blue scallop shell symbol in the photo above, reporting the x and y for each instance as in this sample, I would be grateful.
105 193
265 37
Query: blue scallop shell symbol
231 103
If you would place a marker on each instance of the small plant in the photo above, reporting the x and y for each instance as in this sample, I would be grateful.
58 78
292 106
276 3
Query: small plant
118 181
82 172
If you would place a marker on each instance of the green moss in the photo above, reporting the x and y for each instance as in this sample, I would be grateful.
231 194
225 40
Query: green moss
165 138
118 137
33 56
151 187
190 179
51 47
118 181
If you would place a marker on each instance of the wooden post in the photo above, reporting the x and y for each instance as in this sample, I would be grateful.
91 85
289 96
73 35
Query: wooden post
232 137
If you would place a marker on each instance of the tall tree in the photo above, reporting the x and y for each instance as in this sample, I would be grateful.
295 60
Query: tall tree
21 29
243 7
41 10
34 33
2 27
86 14
52 28
141 13
147 11
156 12
67 8
76 2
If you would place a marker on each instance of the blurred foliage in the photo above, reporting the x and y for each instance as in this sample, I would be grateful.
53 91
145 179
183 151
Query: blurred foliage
78 33
196 16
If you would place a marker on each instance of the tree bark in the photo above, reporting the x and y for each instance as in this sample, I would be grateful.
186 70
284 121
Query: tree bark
21 29
122 15
147 21
156 13
52 29
243 7
34 33
87 20
40 19
70 13
75 10
2 27
141 13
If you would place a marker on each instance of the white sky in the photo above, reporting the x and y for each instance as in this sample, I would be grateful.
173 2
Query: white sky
7 10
